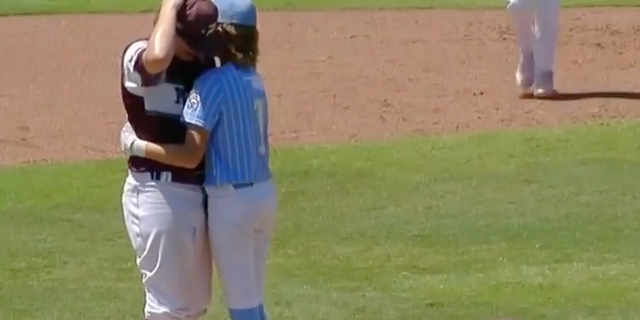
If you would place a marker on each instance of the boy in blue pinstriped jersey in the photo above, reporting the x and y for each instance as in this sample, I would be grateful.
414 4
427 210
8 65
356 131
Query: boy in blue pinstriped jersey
227 116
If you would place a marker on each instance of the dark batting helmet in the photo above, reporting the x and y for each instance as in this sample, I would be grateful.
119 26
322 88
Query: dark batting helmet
196 24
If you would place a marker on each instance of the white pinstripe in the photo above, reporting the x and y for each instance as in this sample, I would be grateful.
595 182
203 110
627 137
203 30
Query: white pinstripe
223 102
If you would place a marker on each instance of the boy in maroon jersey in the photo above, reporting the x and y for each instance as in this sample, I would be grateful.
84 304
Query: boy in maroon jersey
163 205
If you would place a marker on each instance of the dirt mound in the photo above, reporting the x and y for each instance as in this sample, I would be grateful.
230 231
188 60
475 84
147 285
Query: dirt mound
331 76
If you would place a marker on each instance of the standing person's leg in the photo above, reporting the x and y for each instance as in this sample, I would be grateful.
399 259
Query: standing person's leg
240 225
262 244
547 23
521 14
166 225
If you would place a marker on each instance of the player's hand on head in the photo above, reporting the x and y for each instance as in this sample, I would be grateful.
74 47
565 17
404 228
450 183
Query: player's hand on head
175 4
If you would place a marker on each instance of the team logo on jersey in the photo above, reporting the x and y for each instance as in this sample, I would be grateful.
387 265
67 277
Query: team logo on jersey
193 102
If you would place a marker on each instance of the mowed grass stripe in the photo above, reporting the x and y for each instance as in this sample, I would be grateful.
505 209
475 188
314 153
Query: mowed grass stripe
535 224
8 7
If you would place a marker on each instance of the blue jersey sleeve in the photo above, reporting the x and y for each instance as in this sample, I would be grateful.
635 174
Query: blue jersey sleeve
203 104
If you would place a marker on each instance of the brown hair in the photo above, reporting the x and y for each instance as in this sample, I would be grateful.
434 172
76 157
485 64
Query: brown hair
242 43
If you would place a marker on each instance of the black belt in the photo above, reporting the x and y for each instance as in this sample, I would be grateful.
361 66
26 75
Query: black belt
189 178
242 185
177 177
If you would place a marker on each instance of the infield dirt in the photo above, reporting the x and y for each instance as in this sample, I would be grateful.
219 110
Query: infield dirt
335 76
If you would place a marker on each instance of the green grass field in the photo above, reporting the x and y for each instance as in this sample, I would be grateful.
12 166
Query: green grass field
538 224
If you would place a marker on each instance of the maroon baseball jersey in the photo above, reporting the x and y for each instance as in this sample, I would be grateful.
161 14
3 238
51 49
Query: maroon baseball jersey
154 106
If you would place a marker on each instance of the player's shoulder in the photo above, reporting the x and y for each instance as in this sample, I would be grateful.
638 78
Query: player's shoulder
137 43
257 81
134 48
220 71
214 75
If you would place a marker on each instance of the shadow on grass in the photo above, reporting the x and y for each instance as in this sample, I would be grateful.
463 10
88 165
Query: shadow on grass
573 96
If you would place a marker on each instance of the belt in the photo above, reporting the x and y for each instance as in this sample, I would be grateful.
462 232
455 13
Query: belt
177 177
242 185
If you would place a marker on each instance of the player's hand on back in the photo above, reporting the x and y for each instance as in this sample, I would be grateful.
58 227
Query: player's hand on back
127 138
130 144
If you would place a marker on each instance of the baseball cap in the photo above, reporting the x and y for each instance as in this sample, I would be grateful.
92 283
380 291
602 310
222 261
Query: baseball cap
196 22
240 12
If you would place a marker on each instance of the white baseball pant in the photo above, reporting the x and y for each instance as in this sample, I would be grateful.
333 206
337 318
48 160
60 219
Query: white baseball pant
166 224
536 24
241 223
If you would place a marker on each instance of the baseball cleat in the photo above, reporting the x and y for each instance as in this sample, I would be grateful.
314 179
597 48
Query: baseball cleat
524 73
544 93
544 87
524 82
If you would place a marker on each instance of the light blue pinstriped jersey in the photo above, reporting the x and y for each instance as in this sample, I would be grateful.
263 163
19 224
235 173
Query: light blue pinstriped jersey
230 102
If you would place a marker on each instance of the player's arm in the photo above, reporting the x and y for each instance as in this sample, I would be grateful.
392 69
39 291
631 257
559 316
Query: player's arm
161 48
201 114
187 155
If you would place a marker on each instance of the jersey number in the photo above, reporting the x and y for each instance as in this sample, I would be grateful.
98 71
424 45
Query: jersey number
259 106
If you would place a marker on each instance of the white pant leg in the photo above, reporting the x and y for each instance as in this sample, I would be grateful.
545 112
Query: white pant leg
521 14
241 224
166 224
262 242
547 23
